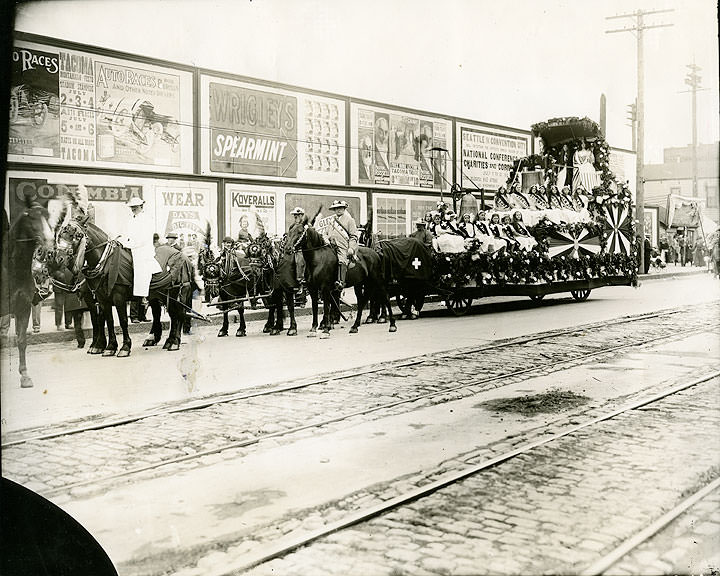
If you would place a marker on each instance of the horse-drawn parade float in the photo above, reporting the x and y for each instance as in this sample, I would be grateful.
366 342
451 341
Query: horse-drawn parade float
555 228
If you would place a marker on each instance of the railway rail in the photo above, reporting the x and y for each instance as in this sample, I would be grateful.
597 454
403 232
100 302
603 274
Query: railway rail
280 411
321 551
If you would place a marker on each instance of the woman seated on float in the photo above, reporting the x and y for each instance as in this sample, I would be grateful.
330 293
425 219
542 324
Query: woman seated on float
466 226
538 198
502 202
516 198
522 234
448 237
496 231
509 233
482 233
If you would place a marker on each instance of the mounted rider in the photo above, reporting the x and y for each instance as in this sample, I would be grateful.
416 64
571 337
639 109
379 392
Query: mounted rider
138 237
343 234
298 215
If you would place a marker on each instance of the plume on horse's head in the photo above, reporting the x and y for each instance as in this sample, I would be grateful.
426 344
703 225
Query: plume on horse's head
208 235
312 222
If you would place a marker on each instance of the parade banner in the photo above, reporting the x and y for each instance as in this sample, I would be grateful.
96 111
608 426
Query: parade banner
485 156
181 206
319 204
394 149
80 109
271 133
249 210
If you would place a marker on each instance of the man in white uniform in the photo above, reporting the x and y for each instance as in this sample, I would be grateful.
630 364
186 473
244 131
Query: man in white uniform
138 236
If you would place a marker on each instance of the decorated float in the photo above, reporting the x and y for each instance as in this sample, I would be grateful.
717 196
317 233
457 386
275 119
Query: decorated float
563 223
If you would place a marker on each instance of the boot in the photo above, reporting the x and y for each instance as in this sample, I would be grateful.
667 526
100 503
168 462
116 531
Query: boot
342 271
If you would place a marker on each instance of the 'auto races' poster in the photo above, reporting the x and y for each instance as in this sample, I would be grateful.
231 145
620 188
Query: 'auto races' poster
138 112
486 156
394 149
79 109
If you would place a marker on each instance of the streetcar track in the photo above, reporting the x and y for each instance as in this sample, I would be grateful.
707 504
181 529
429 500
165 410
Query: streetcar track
610 559
357 413
370 512
324 379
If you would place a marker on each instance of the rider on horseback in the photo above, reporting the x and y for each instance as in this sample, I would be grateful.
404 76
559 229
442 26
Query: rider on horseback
138 237
342 233
298 214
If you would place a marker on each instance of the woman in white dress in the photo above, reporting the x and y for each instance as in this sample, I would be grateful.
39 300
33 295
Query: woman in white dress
584 173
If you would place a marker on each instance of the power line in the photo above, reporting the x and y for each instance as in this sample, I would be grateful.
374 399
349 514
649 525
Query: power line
637 28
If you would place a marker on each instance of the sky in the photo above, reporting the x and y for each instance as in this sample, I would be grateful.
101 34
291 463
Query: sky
507 62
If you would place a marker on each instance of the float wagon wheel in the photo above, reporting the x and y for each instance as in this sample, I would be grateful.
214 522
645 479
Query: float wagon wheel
458 305
580 295
537 297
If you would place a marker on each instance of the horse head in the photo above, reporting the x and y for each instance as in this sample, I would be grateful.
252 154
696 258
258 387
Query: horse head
32 226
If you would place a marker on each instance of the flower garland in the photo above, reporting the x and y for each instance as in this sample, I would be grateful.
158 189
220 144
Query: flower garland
534 266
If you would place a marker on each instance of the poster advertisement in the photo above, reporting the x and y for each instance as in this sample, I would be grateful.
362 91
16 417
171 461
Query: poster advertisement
34 127
486 156
138 115
181 206
80 109
249 210
186 208
395 149
271 133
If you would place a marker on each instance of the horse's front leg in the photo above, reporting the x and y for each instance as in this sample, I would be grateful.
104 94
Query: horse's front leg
120 301
314 296
22 316
361 296
270 322
241 331
156 328
290 298
326 322
112 345
225 323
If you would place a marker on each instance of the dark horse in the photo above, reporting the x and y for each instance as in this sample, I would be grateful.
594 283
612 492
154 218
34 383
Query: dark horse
322 264
109 276
283 289
28 236
235 278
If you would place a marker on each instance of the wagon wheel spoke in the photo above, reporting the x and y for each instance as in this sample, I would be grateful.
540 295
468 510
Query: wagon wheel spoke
458 305
580 295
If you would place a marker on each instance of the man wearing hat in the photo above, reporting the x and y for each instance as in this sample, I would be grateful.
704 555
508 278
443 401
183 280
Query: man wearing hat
422 233
138 237
298 215
342 233
172 240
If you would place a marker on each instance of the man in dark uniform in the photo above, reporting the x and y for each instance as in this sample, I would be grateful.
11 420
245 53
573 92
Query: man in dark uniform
422 233
298 215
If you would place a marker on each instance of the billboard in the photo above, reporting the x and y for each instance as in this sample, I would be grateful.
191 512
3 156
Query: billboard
81 109
271 133
485 155
181 206
395 149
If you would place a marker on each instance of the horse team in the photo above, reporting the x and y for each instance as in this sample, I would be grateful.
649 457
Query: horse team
265 270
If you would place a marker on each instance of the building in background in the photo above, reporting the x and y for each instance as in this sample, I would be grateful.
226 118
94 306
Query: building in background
669 190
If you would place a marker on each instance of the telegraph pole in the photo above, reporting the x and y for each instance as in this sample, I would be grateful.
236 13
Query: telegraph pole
693 80
638 27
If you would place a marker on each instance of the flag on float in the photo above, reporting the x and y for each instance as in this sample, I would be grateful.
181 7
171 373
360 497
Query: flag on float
617 228
572 244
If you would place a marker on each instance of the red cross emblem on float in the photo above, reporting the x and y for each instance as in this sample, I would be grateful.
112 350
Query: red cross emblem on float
572 244
617 228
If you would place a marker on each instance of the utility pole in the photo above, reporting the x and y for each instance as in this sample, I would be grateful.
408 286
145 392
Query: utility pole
638 27
693 80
